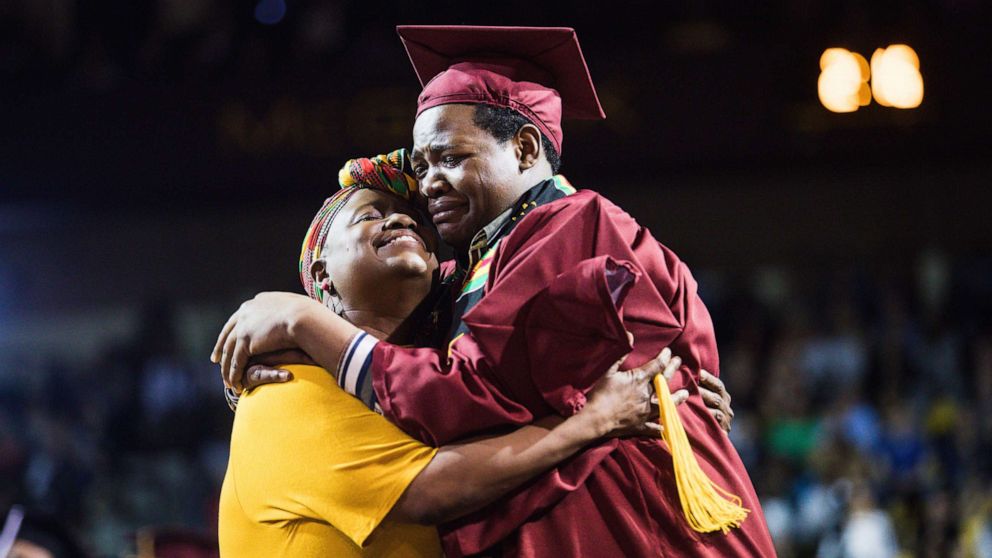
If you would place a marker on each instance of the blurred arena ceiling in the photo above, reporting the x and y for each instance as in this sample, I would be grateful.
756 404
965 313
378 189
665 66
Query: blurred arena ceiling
173 103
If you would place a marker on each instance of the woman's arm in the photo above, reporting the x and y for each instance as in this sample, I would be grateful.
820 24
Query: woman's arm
277 321
467 476
307 331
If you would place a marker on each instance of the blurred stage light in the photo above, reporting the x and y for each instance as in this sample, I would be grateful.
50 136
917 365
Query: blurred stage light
895 77
270 12
843 83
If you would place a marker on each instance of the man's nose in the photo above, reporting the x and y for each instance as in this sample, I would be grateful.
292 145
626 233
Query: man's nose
434 184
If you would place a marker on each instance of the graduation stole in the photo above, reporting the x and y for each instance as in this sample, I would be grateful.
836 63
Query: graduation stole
480 271
468 285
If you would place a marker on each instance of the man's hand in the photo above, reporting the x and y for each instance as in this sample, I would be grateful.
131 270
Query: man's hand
622 399
717 399
261 325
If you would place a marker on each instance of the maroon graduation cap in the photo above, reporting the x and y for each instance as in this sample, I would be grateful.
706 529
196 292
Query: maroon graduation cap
536 71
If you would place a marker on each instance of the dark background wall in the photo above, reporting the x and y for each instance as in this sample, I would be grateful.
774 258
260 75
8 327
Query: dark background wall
200 128
161 159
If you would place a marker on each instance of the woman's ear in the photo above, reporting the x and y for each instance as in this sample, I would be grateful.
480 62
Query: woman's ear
318 272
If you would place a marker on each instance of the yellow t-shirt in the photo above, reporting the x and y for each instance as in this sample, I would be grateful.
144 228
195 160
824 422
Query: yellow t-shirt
313 472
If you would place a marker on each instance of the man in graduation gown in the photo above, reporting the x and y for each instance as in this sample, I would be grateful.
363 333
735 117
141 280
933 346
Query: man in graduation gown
545 283
547 279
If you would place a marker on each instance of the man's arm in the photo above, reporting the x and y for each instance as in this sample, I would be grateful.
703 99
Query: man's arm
265 369
277 321
474 401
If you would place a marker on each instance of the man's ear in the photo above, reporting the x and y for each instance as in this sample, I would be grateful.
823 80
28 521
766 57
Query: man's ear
528 144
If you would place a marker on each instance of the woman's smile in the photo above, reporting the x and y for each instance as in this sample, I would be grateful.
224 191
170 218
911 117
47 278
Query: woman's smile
398 239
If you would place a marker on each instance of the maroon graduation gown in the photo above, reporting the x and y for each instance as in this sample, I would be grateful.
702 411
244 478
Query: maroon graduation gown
564 285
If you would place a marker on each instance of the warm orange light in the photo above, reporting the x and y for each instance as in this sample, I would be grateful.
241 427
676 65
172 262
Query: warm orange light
896 80
843 83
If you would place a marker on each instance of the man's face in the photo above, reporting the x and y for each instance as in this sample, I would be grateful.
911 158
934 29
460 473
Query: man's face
468 177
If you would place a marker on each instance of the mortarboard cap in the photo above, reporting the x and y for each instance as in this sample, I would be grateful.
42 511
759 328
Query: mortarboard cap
537 71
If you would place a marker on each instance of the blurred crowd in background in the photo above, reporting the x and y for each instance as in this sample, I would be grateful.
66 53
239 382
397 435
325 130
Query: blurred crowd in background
160 159
861 394
862 400
135 439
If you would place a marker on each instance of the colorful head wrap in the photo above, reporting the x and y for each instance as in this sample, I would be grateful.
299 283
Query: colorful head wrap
387 173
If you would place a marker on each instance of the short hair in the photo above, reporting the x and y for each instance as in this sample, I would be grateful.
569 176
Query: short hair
503 122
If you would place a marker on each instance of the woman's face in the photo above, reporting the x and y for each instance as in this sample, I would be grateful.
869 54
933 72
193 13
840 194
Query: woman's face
376 242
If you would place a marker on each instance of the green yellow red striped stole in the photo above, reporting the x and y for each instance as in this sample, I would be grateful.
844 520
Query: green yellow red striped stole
467 284
563 185
480 272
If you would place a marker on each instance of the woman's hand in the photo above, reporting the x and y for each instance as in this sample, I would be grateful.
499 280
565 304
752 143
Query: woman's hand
266 369
620 404
263 324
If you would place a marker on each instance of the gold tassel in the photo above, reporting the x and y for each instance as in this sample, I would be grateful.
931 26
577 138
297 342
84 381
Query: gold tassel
706 506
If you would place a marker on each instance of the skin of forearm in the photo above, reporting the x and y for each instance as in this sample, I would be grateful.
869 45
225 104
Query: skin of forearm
323 335
465 477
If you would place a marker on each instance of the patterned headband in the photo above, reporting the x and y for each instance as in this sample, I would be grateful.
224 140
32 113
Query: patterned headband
388 173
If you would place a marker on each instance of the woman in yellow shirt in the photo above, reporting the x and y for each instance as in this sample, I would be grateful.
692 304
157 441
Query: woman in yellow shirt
313 472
